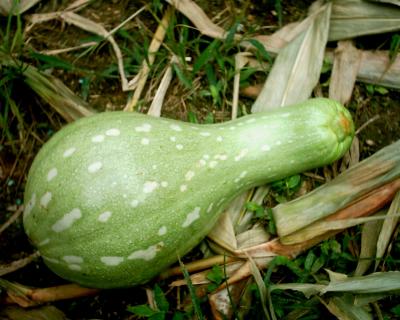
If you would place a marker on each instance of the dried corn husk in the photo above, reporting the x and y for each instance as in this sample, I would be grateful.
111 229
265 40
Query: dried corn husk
375 171
13 7
52 90
353 18
286 83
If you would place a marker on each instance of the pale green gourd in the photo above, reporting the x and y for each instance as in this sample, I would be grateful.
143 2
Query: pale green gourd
113 199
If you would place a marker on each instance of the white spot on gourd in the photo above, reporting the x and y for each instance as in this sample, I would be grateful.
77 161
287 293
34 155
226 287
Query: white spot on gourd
134 203
162 231
213 164
45 199
173 139
69 152
206 156
67 220
191 217
95 166
189 175
164 184
210 207
30 205
241 155
175 127
202 162
114 132
43 242
146 254
75 267
98 138
183 188
250 120
222 157
154 166
241 176
103 217
145 141
73 259
205 134
150 186
112 261
179 146
52 260
219 139
278 143
52 174
265 147
145 127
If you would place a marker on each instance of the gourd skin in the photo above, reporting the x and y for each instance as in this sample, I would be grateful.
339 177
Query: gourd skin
114 199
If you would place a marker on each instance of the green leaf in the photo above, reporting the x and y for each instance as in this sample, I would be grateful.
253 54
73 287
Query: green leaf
209 119
293 181
310 259
181 76
216 275
205 56
318 264
261 50
178 316
161 301
192 118
142 310
396 310
51 62
192 292
394 47
381 90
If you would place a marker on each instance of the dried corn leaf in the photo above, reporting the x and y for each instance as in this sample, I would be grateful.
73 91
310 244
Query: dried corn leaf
38 313
275 42
16 7
376 68
156 104
378 282
139 81
223 234
388 227
198 17
321 227
52 90
55 93
222 300
344 309
344 72
353 18
372 283
308 289
253 237
375 171
297 68
395 2
369 237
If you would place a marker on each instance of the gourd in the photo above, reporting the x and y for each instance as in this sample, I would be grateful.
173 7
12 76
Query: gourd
113 199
